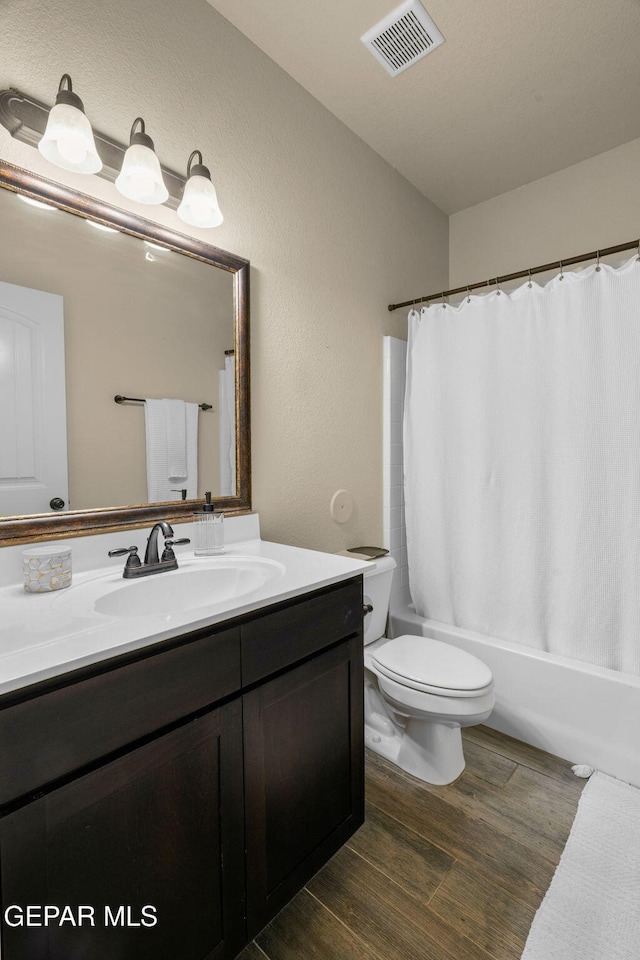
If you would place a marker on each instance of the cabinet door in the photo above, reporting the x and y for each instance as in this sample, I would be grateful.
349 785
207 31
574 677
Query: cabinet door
304 776
159 827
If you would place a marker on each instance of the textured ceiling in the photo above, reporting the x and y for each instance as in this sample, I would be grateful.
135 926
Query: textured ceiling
519 90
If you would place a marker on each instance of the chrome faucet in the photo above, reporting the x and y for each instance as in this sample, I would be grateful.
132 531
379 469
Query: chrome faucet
152 564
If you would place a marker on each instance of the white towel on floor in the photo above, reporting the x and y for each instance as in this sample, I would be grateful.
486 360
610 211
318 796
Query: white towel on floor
590 911
160 485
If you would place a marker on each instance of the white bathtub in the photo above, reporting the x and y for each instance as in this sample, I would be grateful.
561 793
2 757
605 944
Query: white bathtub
583 713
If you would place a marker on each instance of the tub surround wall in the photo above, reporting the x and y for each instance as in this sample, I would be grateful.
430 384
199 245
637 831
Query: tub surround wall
395 535
332 231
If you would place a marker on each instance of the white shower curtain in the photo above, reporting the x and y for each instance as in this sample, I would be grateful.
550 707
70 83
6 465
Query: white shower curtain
522 465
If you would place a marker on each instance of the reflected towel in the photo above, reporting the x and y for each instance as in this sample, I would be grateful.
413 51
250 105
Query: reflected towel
176 439
160 487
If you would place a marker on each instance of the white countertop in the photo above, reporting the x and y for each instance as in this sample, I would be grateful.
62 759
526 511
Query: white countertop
49 634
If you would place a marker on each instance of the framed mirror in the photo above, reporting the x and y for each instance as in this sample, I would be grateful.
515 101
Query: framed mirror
141 313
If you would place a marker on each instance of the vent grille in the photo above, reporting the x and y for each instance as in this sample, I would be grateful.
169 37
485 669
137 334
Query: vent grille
403 37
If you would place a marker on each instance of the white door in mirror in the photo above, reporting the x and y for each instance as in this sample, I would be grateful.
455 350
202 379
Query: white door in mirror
33 426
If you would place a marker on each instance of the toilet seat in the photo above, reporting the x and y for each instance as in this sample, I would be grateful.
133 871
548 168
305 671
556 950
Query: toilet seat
451 672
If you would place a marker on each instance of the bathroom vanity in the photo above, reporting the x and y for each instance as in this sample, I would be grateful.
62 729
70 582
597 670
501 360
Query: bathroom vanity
183 790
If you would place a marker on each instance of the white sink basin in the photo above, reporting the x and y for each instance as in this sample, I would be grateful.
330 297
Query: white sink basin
196 584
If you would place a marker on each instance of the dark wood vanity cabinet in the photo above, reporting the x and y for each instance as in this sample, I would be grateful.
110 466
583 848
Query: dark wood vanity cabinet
154 835
197 784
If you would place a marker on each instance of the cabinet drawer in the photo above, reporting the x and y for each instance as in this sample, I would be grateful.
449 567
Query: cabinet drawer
276 640
51 735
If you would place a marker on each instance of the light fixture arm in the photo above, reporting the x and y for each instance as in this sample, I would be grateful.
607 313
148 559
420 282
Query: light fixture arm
195 153
140 136
67 95
198 169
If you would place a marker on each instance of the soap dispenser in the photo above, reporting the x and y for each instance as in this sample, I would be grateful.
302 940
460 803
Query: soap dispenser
208 530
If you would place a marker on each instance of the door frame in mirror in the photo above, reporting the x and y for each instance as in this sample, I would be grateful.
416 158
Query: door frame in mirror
24 529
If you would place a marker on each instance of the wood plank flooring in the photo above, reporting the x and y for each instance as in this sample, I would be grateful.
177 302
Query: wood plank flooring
437 873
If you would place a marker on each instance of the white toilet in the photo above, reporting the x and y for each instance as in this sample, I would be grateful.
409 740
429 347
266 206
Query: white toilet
419 692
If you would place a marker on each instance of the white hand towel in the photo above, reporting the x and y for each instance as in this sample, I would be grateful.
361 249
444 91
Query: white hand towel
155 421
176 439
160 487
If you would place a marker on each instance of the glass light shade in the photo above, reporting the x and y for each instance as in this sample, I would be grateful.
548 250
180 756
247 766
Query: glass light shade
199 206
68 140
141 177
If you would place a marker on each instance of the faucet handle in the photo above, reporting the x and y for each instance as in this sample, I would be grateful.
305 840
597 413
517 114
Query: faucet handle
133 560
167 553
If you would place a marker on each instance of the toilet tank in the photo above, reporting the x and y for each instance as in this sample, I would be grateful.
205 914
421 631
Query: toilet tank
377 592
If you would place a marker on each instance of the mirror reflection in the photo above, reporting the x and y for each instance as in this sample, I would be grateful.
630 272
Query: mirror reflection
87 314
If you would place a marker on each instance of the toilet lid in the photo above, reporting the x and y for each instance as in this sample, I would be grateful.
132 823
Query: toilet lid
431 665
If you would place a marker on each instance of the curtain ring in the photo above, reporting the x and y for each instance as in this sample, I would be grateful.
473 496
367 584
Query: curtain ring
529 284
638 257
469 292
498 290
561 271
598 261
444 305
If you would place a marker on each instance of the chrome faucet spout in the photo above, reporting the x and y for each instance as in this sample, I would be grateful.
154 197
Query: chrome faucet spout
151 553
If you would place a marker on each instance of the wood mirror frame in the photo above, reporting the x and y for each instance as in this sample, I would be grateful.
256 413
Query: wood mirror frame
24 529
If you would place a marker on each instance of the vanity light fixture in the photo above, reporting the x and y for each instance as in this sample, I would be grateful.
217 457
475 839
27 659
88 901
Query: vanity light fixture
59 133
199 207
141 177
68 138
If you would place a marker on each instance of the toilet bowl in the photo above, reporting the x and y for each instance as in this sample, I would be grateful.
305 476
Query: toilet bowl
419 692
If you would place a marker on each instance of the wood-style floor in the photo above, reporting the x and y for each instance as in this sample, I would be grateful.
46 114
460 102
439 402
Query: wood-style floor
437 873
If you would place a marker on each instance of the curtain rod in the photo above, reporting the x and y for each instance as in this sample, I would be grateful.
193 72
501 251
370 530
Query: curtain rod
522 274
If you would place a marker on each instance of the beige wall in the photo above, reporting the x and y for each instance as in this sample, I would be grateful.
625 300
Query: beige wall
332 231
585 207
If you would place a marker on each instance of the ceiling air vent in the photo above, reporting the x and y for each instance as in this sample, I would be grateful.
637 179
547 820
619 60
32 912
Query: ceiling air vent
403 37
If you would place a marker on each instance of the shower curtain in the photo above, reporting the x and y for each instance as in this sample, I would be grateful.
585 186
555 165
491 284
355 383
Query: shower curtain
522 464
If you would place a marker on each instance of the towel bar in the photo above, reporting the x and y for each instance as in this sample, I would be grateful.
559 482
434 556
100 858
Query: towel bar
120 399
